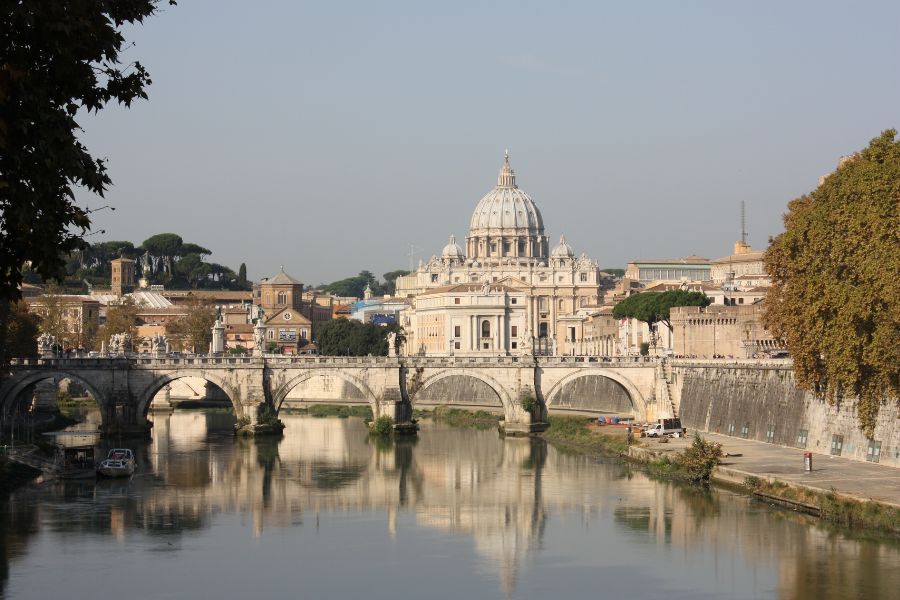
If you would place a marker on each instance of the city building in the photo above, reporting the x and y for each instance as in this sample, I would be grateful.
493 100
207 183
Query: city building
507 246
73 319
740 270
724 331
690 268
469 319
291 317
122 281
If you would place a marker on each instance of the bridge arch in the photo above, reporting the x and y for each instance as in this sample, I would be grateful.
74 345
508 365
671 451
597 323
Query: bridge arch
551 397
161 380
281 392
17 383
506 401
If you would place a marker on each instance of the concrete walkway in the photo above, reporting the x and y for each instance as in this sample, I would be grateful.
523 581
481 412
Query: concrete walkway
861 480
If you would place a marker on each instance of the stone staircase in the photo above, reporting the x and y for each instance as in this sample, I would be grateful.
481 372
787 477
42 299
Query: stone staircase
666 399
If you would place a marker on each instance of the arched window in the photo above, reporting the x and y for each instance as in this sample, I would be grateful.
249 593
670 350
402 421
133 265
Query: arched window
282 298
485 329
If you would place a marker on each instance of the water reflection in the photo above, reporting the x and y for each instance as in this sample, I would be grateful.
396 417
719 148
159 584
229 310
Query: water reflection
533 516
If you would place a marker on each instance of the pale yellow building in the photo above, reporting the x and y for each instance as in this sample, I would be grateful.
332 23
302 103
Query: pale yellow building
742 269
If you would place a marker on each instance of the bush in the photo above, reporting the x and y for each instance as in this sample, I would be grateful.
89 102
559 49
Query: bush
697 462
383 426
242 422
267 416
528 404
645 348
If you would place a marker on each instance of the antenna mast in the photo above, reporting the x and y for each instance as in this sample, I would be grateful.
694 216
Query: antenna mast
743 224
413 250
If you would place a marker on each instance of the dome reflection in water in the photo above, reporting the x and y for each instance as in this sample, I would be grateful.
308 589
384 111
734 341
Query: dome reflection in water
326 512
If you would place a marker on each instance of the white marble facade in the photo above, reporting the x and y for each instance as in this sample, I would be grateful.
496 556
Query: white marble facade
508 248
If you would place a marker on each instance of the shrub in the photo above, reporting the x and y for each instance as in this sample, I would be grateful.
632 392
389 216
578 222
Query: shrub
267 416
645 348
528 404
243 421
383 426
697 462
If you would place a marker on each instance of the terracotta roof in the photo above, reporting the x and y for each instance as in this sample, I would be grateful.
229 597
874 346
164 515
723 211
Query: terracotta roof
281 279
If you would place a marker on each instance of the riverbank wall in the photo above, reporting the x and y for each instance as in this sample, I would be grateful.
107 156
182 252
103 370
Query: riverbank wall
762 402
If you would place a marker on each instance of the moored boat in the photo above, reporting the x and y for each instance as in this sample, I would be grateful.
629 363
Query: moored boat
118 463
74 462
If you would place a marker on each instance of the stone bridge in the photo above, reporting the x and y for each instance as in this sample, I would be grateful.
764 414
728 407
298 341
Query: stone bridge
124 387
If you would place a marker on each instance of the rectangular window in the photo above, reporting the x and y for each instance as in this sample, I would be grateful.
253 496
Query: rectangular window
486 345
571 334
873 454
303 334
584 277
740 300
515 345
513 300
456 345
434 278
837 444
456 301
802 437
514 331
456 331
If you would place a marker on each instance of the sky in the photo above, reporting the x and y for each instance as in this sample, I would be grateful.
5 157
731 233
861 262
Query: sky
332 137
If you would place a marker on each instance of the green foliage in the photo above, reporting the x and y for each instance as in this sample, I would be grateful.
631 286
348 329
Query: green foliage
574 431
59 58
267 416
238 351
697 462
615 272
753 482
528 404
341 411
383 426
22 332
836 293
120 318
343 337
242 274
355 286
654 307
645 348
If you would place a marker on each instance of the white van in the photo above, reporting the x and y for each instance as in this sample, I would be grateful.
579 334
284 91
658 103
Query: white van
665 427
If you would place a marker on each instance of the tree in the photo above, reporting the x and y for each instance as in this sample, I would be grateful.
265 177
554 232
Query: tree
194 329
165 247
390 280
343 336
242 275
21 339
836 293
120 318
655 307
59 58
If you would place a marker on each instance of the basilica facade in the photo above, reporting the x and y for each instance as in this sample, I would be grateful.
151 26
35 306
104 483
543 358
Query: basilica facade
508 292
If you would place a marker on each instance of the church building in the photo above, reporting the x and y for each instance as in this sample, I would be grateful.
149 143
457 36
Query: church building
508 292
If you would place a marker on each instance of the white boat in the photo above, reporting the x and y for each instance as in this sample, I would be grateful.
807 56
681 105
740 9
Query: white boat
118 463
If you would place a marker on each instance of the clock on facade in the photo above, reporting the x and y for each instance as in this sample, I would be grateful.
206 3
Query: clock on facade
287 316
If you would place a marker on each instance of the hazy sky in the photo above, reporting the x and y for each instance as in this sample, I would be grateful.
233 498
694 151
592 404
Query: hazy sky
327 137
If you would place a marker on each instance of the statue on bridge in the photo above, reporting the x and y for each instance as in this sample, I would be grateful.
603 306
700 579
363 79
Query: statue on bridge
160 345
45 345
392 344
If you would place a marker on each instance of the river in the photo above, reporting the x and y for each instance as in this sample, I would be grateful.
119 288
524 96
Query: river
325 512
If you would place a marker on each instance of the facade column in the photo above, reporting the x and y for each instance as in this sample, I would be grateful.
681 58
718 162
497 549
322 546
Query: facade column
500 333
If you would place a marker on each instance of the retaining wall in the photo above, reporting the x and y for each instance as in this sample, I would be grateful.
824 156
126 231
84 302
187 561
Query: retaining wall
763 403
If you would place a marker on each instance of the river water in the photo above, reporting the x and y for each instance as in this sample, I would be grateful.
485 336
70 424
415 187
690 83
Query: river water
457 513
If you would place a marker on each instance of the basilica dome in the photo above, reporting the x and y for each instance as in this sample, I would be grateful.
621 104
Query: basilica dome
506 223
452 250
562 249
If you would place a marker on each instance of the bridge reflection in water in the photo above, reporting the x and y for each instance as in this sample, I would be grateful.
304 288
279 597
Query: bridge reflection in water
512 498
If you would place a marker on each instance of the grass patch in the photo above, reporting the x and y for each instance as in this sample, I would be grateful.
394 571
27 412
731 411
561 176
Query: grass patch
834 509
458 417
340 411
574 431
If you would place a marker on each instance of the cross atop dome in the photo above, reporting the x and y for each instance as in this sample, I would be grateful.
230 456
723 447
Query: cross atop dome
507 177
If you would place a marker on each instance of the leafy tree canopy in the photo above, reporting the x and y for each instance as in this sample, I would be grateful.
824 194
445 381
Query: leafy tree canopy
344 336
835 298
59 58
22 333
615 272
654 307
355 286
